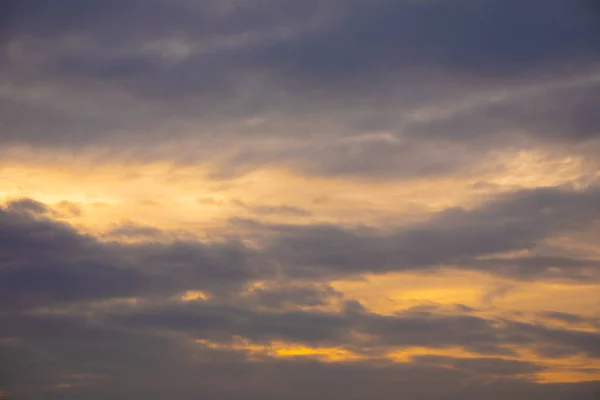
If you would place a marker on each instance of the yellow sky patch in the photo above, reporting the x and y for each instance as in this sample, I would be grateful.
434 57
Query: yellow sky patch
192 295
174 197
283 350
483 292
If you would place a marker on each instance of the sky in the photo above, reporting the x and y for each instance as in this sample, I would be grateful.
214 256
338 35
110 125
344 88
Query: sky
284 199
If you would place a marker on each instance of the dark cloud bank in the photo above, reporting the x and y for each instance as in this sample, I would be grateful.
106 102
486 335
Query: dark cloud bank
67 265
130 76
62 322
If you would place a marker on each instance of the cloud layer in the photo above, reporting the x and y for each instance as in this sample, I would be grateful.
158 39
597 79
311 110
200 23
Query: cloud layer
280 199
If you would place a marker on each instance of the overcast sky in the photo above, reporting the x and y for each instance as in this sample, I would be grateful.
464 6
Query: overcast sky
299 199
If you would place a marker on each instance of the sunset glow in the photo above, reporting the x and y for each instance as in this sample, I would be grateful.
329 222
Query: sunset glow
285 199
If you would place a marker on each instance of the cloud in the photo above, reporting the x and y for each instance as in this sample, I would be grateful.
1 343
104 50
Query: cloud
265 210
483 366
149 349
281 295
131 230
563 317
454 237
357 330
153 367
70 328
44 261
27 206
183 81
367 98
565 114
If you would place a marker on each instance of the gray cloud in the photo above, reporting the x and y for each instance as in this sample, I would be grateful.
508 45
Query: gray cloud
374 90
358 41
483 366
61 322
265 210
510 222
121 355
563 317
131 230
100 359
410 328
43 261
158 70
282 295
120 350
566 114
125 366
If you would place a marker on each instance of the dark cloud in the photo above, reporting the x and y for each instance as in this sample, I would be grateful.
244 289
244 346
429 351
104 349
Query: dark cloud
23 230
122 366
502 37
65 333
148 349
531 268
411 328
282 295
160 69
566 114
27 206
139 21
483 366
563 317
569 340
356 43
43 261
455 237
